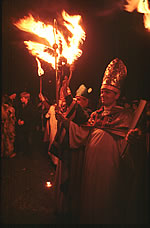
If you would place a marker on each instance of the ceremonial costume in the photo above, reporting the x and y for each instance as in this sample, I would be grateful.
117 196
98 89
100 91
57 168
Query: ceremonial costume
69 161
107 189
7 130
100 196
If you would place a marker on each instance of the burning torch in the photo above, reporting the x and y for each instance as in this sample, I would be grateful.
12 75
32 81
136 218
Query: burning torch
40 73
58 50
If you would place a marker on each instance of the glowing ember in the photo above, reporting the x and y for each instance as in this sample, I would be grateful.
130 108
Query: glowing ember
51 35
48 184
40 70
142 6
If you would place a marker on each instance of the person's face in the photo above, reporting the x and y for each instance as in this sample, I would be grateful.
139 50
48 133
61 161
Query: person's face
63 106
24 100
12 96
83 101
108 97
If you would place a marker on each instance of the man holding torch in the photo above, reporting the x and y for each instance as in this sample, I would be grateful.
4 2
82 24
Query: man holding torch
109 179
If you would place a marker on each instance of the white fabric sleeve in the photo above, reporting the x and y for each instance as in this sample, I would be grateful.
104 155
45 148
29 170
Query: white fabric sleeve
77 135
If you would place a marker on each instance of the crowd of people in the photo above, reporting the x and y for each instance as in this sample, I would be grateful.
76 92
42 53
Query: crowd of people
101 164
19 121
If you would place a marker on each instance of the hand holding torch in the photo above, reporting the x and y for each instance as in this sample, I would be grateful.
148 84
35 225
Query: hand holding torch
135 120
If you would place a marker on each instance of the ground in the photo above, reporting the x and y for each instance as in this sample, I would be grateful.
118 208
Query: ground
25 199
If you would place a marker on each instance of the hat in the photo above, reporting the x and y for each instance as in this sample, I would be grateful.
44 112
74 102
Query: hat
114 75
83 91
25 94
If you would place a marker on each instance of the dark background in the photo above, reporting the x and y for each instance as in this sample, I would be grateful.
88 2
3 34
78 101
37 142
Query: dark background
110 32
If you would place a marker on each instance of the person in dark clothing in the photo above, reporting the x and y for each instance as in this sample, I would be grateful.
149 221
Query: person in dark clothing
25 114
70 163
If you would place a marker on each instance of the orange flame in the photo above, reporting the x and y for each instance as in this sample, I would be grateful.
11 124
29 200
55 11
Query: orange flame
70 48
48 184
40 70
142 6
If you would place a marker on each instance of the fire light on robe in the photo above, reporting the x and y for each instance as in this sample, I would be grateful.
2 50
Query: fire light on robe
68 46
142 6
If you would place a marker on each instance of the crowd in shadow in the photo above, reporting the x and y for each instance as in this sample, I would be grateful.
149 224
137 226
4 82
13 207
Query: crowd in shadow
23 120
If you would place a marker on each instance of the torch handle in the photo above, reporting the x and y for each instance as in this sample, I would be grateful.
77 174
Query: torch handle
40 84
138 113
134 122
70 76
57 85
55 46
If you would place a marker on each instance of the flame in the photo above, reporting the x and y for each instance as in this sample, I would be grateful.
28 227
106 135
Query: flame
40 70
142 6
131 5
52 35
48 184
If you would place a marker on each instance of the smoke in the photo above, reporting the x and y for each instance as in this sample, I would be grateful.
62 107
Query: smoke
110 7
49 8
40 9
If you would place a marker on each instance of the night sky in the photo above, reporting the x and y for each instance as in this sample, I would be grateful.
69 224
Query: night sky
110 32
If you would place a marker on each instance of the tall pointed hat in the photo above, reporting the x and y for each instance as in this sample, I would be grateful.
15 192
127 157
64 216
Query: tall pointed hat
114 75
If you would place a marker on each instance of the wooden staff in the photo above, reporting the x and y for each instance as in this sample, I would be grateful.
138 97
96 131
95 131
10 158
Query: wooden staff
135 120
40 84
57 82
55 46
